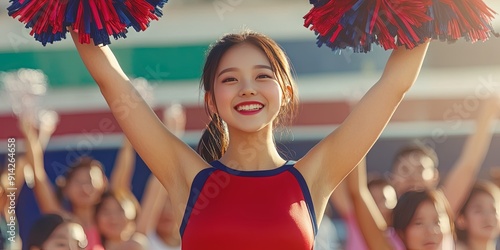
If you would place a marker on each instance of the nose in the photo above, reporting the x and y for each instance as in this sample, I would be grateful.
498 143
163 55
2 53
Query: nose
434 229
87 188
247 88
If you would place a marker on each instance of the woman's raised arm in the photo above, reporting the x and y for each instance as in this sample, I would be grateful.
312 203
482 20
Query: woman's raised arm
370 221
460 180
335 156
121 176
43 189
162 151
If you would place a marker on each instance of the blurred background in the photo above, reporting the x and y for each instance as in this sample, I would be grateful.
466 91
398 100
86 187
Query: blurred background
438 111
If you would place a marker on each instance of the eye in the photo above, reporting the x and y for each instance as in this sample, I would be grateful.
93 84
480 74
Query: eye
61 244
229 79
262 76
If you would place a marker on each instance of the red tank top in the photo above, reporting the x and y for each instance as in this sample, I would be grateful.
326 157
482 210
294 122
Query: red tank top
230 209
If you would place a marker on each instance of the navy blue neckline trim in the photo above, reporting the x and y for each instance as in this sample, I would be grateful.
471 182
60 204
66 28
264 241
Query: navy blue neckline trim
253 173
307 197
196 187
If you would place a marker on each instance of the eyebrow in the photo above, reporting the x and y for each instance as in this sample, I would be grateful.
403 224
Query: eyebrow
235 69
60 237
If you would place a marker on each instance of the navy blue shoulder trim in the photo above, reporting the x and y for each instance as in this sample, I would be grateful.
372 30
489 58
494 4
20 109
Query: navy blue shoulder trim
256 173
307 197
196 187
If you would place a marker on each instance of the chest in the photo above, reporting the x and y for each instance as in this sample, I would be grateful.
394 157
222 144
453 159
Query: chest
233 212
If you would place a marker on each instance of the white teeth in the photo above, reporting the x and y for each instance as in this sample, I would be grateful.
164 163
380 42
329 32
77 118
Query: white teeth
250 107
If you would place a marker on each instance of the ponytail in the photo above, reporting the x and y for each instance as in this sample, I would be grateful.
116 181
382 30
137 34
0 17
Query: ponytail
214 140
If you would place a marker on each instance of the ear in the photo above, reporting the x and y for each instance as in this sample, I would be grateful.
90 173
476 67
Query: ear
460 222
61 184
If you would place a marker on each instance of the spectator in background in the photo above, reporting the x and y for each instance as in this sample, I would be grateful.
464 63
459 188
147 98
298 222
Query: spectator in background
384 198
415 168
477 222
78 192
420 218
120 220
162 230
54 232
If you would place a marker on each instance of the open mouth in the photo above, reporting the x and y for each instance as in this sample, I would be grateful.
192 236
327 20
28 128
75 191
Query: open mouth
249 107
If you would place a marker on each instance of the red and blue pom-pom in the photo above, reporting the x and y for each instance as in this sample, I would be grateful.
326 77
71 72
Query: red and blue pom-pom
92 19
357 24
45 18
452 20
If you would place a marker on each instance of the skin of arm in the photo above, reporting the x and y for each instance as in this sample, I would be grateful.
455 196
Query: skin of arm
458 183
370 220
173 162
332 159
153 201
121 176
341 199
43 189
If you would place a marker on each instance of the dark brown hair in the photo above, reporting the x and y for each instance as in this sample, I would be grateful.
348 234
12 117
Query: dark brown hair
45 226
408 204
214 140
415 148
377 181
82 162
481 187
124 199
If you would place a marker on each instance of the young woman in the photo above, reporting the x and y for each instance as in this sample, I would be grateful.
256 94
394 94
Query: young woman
161 228
477 222
384 198
119 219
420 218
416 166
243 194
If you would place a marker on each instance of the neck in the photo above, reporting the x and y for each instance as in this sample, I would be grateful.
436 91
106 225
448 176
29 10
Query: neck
252 151
169 238
481 244
85 216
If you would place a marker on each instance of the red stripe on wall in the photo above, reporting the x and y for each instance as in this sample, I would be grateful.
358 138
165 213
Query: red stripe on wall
309 114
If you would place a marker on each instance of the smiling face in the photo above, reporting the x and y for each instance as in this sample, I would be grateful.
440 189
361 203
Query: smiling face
85 186
116 214
481 217
247 93
258 66
110 218
478 220
414 171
